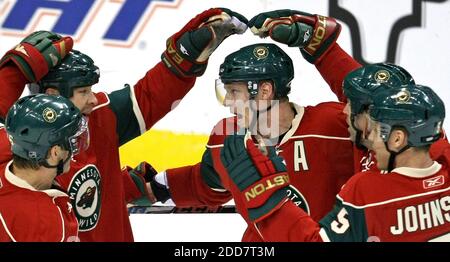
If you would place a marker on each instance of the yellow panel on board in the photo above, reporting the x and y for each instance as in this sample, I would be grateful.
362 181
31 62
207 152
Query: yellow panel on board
164 149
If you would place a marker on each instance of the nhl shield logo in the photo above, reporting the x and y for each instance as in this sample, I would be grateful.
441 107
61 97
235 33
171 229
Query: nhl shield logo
84 192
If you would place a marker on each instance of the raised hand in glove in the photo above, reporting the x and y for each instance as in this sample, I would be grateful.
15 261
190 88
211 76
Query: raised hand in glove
314 34
151 191
262 179
38 53
188 50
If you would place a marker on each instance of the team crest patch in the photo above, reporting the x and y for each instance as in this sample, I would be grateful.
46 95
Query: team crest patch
298 199
260 52
403 96
382 76
84 192
49 115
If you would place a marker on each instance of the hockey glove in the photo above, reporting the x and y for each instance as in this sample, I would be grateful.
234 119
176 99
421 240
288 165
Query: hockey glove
262 180
152 191
314 34
38 53
188 50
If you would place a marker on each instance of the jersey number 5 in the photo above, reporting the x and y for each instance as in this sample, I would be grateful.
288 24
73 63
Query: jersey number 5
341 224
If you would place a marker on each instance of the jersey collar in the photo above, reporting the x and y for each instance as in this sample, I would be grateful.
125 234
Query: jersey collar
419 172
300 110
18 182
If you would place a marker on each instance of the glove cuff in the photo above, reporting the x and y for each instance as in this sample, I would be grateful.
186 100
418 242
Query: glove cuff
175 61
29 61
325 34
276 200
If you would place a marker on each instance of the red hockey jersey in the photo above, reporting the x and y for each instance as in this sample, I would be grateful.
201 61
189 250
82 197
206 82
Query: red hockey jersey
408 204
96 185
318 155
27 214
317 150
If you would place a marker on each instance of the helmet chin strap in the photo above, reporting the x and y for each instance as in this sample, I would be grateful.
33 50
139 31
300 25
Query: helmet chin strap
358 135
393 155
59 167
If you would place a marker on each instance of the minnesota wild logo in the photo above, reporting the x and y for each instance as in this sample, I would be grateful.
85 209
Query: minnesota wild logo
298 198
49 115
382 76
84 192
403 96
260 52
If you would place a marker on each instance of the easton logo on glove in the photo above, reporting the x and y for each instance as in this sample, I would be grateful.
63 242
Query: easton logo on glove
319 34
262 179
268 185
313 34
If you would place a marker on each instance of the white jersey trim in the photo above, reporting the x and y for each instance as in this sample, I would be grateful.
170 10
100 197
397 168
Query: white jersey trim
324 236
219 190
419 172
102 105
214 146
62 221
392 200
18 182
295 123
137 111
6 228
322 136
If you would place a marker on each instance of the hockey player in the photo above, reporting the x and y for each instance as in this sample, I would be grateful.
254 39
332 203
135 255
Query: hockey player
45 132
410 203
253 75
96 185
316 35
318 189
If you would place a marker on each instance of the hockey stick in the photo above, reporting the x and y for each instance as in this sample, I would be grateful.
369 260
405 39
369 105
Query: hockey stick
229 209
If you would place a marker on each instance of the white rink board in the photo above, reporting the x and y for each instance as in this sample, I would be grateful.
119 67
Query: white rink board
187 227
424 49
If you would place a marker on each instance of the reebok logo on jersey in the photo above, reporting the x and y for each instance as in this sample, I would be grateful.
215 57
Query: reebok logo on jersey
433 182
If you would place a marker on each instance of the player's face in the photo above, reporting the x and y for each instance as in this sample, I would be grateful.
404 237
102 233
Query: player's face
84 99
361 122
376 144
237 99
